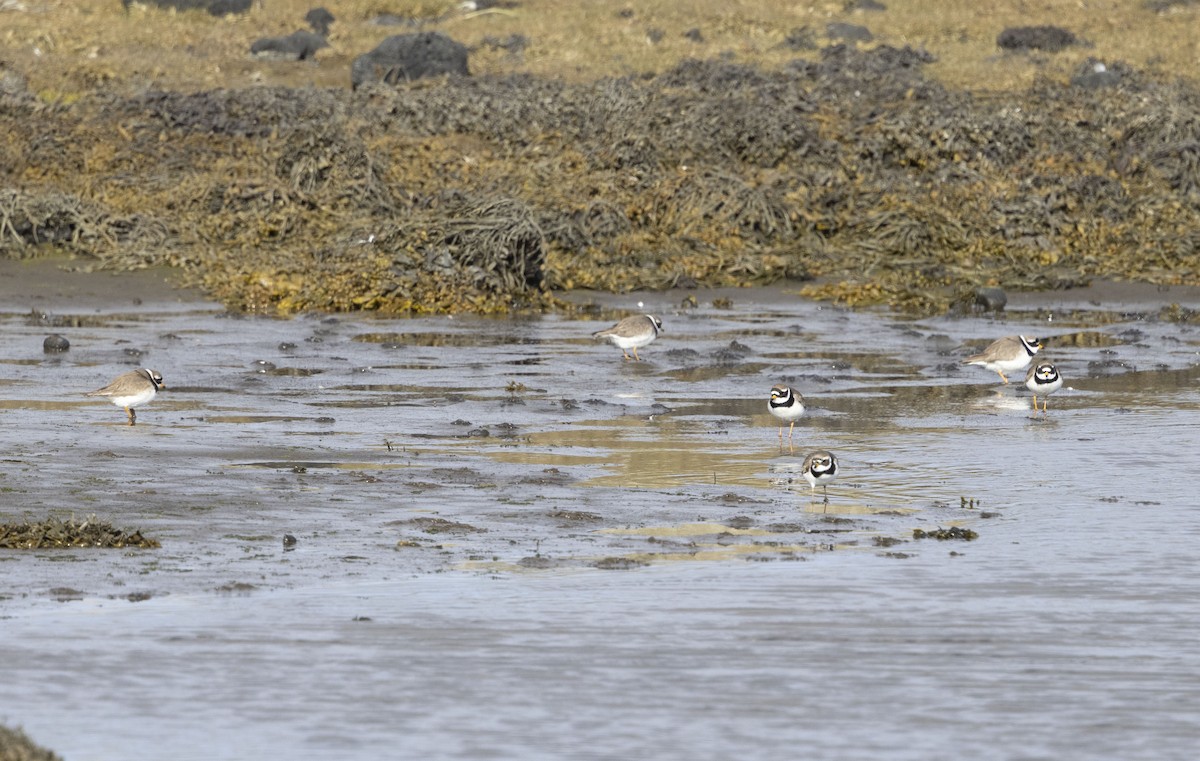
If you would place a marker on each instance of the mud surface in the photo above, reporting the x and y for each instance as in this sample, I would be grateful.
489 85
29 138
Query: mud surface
474 537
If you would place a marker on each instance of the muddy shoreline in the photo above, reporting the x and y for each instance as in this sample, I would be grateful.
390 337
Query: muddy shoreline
468 508
506 432
57 283
403 500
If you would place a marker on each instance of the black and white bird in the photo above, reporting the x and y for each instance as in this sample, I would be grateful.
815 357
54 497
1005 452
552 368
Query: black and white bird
787 405
632 333
1008 354
1043 379
819 469
132 389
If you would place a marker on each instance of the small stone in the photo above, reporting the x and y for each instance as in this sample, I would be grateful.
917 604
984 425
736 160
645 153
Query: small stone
837 30
297 46
991 299
405 57
55 343
1049 39
319 20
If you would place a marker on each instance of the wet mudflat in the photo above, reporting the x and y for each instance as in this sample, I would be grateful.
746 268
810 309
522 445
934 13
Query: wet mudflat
511 543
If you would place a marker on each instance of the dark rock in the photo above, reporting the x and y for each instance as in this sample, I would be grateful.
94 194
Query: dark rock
837 30
739 349
1166 6
319 20
214 7
405 57
731 354
863 5
801 38
991 299
55 343
695 35
297 46
223 7
391 19
1050 39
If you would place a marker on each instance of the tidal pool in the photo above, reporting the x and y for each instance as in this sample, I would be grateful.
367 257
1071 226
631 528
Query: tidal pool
510 543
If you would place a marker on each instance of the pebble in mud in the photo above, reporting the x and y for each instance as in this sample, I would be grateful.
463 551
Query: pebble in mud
991 299
55 343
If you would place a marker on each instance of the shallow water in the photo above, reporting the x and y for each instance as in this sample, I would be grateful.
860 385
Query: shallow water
512 544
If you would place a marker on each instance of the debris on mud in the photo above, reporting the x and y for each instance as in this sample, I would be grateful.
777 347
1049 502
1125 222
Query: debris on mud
55 533
576 516
619 564
439 526
942 534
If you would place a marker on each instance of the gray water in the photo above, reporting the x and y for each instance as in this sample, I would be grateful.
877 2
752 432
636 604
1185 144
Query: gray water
626 565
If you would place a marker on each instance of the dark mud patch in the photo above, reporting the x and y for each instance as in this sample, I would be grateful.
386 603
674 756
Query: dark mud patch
430 339
438 526
576 516
66 594
541 562
236 588
619 563
944 534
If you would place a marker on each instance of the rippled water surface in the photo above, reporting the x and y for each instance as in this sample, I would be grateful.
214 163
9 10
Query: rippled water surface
510 543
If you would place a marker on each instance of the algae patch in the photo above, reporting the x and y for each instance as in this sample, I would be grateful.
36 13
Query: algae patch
55 533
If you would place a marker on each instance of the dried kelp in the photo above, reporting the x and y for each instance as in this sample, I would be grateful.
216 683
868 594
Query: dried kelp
489 193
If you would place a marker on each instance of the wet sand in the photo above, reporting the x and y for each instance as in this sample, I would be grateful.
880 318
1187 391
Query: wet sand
512 543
